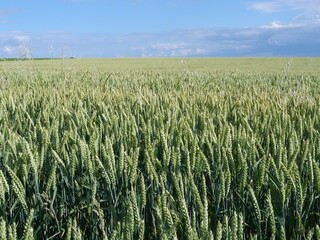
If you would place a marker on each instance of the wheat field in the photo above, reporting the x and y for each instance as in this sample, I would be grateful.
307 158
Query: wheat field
160 149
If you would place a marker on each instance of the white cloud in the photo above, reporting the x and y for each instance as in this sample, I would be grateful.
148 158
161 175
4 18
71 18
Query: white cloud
180 49
267 7
308 13
8 12
10 50
22 38
308 6
276 25
275 39
168 46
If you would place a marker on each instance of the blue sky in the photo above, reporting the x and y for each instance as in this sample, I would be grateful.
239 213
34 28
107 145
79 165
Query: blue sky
159 28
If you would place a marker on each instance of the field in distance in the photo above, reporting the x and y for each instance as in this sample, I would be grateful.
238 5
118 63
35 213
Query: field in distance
310 65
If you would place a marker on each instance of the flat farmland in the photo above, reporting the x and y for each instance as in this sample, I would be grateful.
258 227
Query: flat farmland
178 148
244 65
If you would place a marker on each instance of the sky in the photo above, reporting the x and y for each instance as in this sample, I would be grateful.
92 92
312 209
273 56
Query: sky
159 28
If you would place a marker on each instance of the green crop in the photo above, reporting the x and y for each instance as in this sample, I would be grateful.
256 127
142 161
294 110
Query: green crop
184 153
